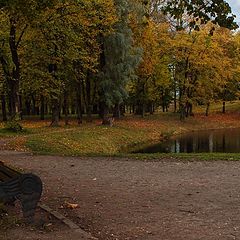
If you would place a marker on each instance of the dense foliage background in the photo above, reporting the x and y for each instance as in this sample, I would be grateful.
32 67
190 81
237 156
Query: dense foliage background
112 56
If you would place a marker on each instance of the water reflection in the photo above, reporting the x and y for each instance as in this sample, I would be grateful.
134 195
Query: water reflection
225 140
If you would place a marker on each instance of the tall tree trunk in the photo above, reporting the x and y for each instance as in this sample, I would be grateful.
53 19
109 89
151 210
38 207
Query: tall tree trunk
73 108
182 111
65 105
175 99
163 107
88 98
33 105
7 76
79 103
182 106
151 108
207 109
28 106
143 109
59 110
4 112
15 78
55 113
46 109
20 107
42 108
105 110
116 111
191 110
224 107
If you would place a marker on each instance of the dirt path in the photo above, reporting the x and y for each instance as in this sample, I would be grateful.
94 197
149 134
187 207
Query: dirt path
129 199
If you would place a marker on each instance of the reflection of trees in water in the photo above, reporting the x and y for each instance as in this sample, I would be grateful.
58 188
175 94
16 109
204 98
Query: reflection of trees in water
213 141
223 143
227 140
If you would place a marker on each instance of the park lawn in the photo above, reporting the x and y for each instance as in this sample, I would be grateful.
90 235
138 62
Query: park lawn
216 107
127 134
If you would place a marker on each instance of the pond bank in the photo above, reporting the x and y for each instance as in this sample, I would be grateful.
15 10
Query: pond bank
126 135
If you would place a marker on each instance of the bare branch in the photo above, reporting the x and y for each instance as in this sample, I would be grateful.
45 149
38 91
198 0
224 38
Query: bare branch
21 35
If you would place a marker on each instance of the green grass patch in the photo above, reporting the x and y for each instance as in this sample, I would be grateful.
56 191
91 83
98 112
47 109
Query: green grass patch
87 140
183 156
129 134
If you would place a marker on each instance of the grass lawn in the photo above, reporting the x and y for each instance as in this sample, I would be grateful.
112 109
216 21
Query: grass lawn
129 133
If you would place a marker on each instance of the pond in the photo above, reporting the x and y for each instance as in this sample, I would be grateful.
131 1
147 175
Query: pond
211 141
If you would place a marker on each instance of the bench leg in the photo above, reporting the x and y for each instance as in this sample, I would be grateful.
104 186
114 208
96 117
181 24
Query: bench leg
30 194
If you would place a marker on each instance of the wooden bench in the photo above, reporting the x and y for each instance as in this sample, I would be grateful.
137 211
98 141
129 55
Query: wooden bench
27 188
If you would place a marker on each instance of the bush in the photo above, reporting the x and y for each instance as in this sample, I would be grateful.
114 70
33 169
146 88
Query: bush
13 126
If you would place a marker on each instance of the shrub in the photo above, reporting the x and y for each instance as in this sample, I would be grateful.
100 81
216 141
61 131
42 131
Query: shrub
13 126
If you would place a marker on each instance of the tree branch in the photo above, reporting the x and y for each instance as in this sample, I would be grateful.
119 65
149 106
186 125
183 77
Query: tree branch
21 35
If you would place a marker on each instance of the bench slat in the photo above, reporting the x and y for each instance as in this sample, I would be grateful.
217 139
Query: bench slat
7 173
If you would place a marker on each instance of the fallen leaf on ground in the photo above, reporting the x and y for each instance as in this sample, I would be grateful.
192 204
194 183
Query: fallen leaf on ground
72 205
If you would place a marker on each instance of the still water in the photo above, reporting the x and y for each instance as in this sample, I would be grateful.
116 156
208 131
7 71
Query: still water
224 141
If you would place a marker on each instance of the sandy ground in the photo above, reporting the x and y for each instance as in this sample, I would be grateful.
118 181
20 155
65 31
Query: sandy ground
131 199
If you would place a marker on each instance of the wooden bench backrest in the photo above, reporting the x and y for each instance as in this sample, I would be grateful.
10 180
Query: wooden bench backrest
6 173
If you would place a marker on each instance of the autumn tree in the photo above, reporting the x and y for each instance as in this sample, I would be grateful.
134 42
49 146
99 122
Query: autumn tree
17 16
62 48
203 66
200 12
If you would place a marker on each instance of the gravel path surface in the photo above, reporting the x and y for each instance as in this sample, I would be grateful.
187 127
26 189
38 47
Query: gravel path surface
144 200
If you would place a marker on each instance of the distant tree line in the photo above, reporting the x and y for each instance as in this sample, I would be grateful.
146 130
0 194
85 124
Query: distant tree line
64 57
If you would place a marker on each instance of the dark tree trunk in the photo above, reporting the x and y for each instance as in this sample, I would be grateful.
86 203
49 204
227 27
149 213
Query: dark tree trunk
151 108
46 109
28 106
190 110
182 107
73 108
175 101
105 110
187 107
42 112
182 111
143 109
207 109
55 113
224 107
8 81
89 113
65 106
37 111
95 109
122 109
79 103
4 112
88 98
33 105
20 107
116 111
13 83
139 109
60 108
163 107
